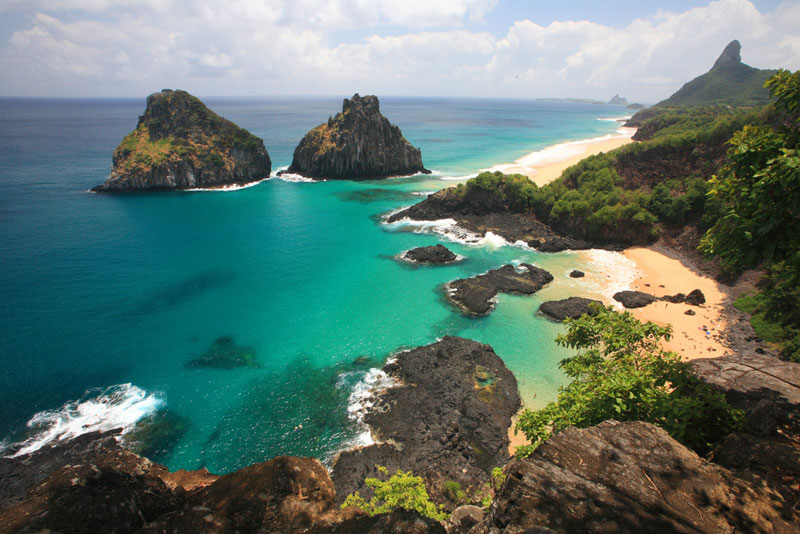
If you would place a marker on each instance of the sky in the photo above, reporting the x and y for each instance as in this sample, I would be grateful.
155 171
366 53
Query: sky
641 49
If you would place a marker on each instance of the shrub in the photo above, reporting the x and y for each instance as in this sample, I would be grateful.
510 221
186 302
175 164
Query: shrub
402 490
623 373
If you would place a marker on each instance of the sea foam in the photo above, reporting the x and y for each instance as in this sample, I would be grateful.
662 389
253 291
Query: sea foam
116 407
450 230
618 273
363 397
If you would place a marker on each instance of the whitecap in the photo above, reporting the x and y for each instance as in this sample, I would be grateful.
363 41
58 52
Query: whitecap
116 407
228 188
363 396
614 273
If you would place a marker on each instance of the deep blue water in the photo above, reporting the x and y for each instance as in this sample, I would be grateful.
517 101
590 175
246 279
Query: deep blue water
104 290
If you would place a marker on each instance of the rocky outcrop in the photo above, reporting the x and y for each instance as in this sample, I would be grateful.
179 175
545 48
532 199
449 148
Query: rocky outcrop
434 254
629 478
475 296
447 420
90 484
572 307
634 299
181 144
358 143
481 211
575 273
731 54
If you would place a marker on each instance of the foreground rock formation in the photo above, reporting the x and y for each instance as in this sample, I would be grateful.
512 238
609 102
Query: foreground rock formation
476 295
358 143
629 478
181 144
90 485
447 420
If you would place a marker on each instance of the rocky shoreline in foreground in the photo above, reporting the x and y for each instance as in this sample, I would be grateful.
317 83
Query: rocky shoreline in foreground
446 420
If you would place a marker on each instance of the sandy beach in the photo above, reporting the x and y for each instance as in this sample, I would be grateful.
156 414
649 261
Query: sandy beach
694 336
544 166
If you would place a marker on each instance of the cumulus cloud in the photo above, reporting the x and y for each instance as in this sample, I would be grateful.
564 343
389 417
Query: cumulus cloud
418 47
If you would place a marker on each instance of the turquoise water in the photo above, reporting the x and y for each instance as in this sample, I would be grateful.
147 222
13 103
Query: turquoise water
105 290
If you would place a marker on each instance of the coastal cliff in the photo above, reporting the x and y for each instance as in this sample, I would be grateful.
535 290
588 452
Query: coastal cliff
358 143
181 144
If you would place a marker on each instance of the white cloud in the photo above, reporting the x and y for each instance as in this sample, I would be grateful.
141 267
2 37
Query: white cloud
281 46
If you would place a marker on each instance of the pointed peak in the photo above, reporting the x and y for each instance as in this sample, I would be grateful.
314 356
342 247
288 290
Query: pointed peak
731 54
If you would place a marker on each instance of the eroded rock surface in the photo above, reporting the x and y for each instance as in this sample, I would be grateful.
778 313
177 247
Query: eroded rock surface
448 419
475 295
91 484
630 478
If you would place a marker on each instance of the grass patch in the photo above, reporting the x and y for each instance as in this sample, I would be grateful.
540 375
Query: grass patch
757 306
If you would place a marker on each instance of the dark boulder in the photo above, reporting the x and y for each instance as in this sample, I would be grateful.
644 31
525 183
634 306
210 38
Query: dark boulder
475 295
181 144
695 298
577 274
358 143
634 299
630 478
435 254
448 420
572 307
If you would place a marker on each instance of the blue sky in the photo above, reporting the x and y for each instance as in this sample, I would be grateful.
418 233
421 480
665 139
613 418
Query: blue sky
641 49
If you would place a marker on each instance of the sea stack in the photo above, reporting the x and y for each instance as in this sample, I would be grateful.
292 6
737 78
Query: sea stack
357 144
181 144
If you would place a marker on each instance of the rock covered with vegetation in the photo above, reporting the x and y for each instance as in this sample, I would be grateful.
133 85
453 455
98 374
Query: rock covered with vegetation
181 144
357 144
447 420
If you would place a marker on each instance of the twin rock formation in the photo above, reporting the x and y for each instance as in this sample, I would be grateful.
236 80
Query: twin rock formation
181 144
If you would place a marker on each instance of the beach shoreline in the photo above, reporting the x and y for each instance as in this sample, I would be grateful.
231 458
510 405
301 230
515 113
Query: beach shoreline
544 166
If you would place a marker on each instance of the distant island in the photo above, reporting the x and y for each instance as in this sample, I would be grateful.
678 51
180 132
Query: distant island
181 144
357 144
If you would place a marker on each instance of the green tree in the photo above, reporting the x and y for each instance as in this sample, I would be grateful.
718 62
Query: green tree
621 372
402 490
759 189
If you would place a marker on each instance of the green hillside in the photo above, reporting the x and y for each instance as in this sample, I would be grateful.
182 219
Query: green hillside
729 83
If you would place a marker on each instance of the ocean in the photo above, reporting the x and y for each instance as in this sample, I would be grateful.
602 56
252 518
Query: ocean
106 299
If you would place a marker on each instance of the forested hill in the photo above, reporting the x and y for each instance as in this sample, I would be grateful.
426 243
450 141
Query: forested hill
729 83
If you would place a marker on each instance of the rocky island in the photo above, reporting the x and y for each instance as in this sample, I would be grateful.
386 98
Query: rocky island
357 144
181 144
